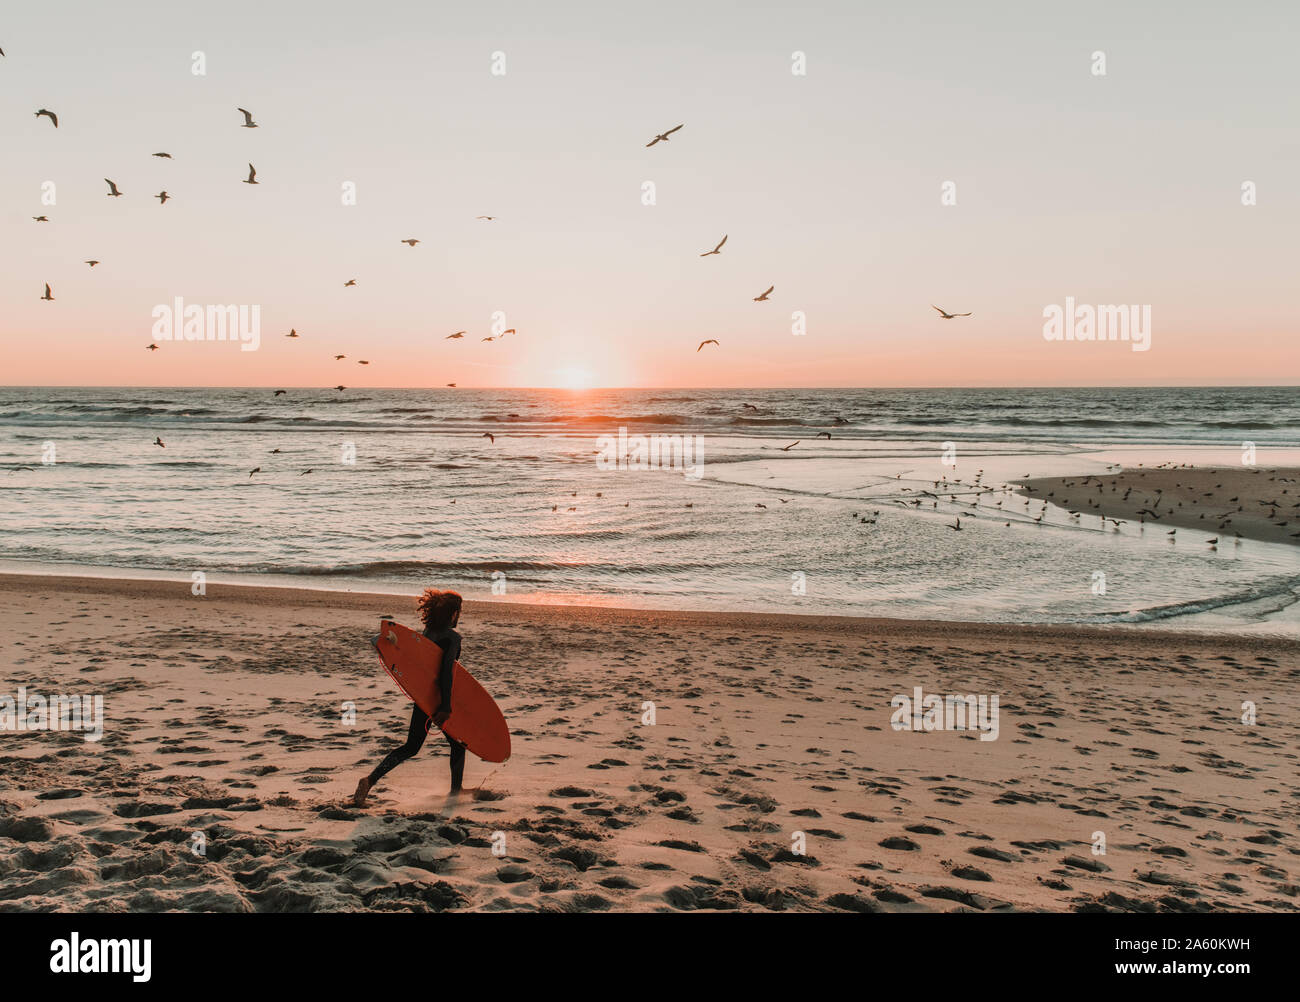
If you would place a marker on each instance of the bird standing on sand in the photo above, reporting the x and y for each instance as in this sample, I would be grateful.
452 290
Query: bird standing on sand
709 341
252 175
248 120
763 297
48 295
949 316
663 136
50 115
716 249
112 189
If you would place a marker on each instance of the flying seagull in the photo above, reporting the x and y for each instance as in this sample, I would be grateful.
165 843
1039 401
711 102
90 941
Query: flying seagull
350 281
248 120
411 242
151 347
256 469
279 393
252 175
488 218
456 335
162 197
509 330
340 388
50 115
763 297
709 341
112 189
662 137
339 358
48 295
159 442
489 435
92 263
787 448
293 332
949 316
41 219
165 156
362 361
715 249
451 384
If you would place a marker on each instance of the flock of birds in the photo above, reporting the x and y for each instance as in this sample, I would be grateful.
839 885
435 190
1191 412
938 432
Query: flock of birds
164 196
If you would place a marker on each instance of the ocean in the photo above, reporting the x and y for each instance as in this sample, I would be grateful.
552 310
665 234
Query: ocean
406 490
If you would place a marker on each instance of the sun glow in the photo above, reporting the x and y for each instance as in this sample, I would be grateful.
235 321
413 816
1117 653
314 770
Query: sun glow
572 377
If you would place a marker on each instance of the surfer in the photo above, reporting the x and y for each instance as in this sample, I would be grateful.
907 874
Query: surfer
440 612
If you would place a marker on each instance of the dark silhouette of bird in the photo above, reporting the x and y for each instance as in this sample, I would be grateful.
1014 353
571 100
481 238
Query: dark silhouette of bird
663 136
48 295
716 249
339 358
256 469
787 448
41 219
410 242
151 347
451 384
92 263
279 393
350 281
112 189
949 316
452 337
165 156
763 297
821 433
159 442
162 197
340 388
709 341
488 435
248 120
293 332
252 175
50 115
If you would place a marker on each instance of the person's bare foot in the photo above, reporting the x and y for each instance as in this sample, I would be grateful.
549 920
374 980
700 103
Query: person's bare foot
363 790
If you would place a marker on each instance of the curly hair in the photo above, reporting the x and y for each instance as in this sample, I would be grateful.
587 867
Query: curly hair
438 608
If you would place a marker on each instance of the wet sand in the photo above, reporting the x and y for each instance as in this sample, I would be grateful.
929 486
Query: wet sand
772 778
1249 502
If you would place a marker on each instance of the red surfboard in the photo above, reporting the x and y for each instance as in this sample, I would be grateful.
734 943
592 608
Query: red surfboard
413 660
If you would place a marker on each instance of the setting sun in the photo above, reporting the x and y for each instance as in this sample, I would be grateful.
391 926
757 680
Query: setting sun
573 378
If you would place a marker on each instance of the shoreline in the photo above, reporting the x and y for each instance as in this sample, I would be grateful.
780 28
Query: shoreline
402 607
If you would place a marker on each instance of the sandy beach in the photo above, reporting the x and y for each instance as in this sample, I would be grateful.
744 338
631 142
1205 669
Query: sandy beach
1247 502
225 730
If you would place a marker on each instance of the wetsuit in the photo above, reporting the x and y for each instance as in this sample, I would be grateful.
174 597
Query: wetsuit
449 641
